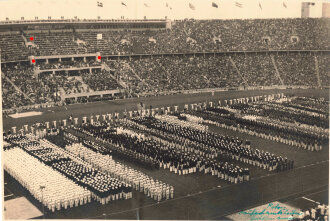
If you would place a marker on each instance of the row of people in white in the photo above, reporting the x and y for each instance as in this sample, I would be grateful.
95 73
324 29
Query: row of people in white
103 187
174 120
139 181
48 186
107 188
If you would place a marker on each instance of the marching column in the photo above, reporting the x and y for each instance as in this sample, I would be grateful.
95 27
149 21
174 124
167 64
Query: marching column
26 128
32 129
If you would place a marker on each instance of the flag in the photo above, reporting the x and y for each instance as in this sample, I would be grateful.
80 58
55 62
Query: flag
123 4
124 42
146 5
284 5
191 6
167 5
99 36
99 4
237 4
214 5
260 6
151 39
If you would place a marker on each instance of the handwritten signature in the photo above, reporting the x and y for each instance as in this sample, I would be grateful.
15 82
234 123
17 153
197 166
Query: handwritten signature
272 212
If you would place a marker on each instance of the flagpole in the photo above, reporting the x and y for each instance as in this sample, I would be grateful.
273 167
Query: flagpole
1 126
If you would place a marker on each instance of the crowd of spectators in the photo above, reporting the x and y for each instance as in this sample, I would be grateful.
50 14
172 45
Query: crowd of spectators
319 213
297 69
187 35
77 63
12 47
11 98
100 80
55 43
169 73
256 69
323 63
159 74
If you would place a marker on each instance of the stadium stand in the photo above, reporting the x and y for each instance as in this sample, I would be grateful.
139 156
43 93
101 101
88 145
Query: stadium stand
192 55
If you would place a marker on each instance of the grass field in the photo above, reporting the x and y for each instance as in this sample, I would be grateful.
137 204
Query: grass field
197 196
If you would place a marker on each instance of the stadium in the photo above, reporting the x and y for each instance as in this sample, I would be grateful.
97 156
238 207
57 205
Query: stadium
126 117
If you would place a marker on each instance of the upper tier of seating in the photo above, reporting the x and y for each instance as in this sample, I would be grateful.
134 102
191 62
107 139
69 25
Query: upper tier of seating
184 36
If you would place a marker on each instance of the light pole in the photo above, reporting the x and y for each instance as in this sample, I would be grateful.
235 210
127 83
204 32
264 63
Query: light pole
42 201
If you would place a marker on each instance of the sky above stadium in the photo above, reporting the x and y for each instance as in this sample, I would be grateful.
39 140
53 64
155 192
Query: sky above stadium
156 9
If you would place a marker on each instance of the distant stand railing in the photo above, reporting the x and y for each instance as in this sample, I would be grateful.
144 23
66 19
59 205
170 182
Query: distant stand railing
180 54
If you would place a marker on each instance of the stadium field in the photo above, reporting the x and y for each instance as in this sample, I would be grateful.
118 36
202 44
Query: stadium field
88 109
198 196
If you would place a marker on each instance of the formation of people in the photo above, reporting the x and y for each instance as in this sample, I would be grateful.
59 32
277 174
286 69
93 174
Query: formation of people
224 144
290 124
47 185
103 187
139 181
167 155
319 213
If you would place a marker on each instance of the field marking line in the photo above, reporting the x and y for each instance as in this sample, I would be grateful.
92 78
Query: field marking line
310 200
268 201
9 195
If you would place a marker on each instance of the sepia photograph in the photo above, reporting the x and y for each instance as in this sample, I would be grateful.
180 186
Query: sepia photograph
165 109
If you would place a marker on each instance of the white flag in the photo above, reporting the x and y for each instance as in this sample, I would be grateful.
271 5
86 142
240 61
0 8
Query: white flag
99 36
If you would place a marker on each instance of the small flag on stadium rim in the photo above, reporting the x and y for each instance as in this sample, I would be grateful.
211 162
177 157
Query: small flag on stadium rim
99 4
214 5
146 5
260 6
284 5
167 5
123 4
191 6
237 4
